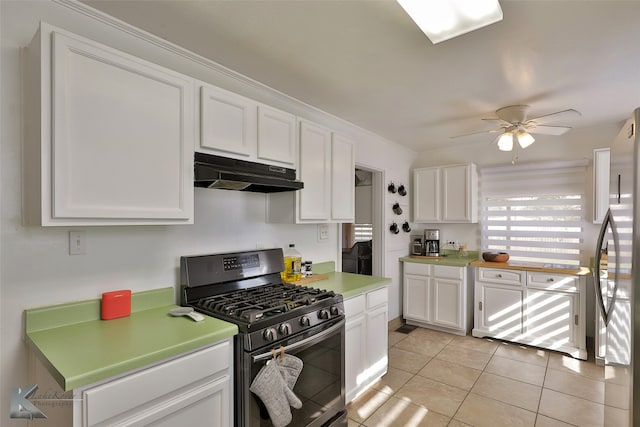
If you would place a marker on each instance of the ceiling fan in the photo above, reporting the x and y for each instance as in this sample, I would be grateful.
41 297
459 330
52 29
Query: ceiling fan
513 122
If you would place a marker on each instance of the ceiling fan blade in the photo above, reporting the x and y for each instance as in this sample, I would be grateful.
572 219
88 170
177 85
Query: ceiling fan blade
548 130
477 133
553 117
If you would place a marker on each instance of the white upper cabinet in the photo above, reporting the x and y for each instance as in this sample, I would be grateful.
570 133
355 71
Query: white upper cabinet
315 172
426 195
234 126
326 166
227 123
277 140
446 194
112 136
342 179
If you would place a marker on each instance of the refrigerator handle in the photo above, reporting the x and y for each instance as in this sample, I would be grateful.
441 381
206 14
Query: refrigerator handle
596 270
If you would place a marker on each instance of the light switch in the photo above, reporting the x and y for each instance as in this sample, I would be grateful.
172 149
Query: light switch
77 242
323 232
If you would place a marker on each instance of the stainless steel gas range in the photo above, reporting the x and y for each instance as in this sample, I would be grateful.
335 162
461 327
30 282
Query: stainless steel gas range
245 288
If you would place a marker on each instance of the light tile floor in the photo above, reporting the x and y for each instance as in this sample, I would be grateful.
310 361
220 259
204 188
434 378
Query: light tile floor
438 379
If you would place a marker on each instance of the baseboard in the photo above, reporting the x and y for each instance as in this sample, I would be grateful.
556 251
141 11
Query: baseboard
395 323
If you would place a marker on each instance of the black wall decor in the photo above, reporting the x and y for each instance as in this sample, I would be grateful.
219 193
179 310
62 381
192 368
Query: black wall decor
394 228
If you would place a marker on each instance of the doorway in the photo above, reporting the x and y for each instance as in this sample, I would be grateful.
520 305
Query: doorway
361 241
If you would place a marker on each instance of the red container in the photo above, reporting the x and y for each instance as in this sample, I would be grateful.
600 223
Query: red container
115 304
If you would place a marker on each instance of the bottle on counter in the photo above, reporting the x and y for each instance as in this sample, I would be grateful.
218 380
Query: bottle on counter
292 265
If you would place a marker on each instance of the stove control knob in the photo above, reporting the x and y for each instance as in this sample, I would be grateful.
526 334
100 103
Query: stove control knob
323 314
305 321
270 334
285 328
334 310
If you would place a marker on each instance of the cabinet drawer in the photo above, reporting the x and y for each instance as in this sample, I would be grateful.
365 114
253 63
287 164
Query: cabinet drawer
132 391
448 272
354 306
417 268
505 277
377 297
552 282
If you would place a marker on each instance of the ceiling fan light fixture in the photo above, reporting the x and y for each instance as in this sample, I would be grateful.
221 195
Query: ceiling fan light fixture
525 139
505 142
443 20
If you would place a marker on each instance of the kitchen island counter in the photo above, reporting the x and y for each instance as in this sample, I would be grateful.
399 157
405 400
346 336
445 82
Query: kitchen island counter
78 348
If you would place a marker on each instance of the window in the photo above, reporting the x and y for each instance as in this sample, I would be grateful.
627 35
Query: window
363 232
536 213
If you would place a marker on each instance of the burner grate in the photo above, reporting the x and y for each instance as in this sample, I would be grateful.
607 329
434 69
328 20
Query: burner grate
254 304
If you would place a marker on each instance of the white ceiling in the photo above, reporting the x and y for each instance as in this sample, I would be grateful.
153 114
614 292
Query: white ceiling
367 62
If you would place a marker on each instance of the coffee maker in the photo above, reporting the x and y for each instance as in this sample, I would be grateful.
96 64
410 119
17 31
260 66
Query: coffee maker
432 242
417 244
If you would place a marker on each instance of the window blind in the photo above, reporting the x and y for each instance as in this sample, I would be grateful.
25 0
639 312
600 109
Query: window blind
363 232
534 212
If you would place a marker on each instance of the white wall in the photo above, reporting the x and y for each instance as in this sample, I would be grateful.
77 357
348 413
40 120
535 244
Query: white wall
35 266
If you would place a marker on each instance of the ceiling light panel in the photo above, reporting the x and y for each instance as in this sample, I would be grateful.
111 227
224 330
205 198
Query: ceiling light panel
441 20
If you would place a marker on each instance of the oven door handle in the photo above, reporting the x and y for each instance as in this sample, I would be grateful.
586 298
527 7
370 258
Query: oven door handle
304 342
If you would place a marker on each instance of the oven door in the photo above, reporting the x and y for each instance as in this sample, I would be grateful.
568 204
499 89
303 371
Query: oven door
320 385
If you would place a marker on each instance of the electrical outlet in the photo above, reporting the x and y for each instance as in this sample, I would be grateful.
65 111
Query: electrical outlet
323 232
77 242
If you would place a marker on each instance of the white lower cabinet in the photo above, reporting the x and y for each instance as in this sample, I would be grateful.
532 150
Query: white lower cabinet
179 392
536 308
436 297
366 341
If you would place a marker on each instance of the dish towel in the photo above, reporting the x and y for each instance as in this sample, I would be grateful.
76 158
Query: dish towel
270 386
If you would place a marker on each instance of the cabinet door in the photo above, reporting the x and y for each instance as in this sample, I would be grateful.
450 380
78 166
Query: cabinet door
277 141
227 122
355 354
342 186
551 318
426 195
499 309
417 290
377 341
456 193
315 172
447 303
122 138
209 402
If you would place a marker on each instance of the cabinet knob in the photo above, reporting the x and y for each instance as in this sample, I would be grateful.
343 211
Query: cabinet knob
499 276
550 279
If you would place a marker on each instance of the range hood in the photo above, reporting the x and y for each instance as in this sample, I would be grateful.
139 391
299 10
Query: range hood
231 174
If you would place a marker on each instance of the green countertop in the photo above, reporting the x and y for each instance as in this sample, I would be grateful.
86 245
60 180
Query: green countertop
348 284
452 259
79 349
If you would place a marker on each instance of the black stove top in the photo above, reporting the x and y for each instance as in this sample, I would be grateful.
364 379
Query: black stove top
257 304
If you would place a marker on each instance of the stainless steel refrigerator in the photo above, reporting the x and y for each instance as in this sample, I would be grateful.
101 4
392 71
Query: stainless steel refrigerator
617 281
